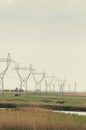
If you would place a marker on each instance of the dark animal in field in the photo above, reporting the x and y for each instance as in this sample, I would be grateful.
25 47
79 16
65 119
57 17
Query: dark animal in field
16 94
61 102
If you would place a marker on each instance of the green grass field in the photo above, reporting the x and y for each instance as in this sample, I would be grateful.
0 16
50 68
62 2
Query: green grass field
52 99
48 101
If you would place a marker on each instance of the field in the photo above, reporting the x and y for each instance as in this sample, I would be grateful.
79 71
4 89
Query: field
52 101
35 112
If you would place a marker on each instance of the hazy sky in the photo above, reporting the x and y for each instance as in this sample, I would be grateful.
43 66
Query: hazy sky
50 34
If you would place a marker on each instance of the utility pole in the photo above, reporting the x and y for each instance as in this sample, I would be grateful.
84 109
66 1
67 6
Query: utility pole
3 73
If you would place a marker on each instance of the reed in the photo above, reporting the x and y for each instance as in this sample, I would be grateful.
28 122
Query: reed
39 119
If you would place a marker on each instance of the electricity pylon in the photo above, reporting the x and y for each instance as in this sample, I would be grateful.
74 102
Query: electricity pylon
53 88
69 88
47 83
75 85
54 85
38 83
24 80
3 73
61 84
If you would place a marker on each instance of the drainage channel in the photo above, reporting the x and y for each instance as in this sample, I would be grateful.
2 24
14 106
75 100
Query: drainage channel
72 112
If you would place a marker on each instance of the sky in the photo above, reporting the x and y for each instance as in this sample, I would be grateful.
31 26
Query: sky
50 34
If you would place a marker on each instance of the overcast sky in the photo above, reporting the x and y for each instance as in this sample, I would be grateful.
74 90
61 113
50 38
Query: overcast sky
50 34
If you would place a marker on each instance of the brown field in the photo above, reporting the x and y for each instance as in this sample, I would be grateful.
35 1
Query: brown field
39 119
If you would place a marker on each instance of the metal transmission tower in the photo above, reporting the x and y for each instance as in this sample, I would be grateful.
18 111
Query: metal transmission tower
61 84
24 80
38 83
54 85
3 73
47 83
53 88
75 85
69 88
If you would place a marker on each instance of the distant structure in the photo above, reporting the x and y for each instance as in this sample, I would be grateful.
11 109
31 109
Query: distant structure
61 84
53 88
3 73
38 83
75 87
69 88
54 85
24 80
49 82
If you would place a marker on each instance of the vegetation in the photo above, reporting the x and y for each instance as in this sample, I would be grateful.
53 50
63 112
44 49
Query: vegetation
33 112
40 119
49 100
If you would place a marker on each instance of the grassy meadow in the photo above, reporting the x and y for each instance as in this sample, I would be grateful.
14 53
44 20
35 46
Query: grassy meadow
41 98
